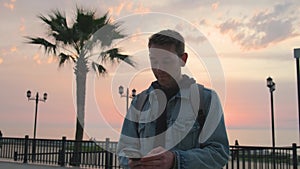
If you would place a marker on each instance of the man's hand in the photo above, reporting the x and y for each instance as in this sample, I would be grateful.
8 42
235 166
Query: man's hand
159 158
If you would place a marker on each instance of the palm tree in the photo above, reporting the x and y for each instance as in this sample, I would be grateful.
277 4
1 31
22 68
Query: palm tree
76 42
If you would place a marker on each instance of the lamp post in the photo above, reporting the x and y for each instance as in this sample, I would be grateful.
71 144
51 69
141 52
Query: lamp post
271 86
297 56
121 92
36 99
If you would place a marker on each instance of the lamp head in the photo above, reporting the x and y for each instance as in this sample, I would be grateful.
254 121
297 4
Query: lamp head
133 92
270 82
121 90
28 94
45 96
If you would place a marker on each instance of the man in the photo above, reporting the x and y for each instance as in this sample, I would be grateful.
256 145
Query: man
165 126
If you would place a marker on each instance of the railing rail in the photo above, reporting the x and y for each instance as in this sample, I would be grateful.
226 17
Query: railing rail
101 154
248 157
59 152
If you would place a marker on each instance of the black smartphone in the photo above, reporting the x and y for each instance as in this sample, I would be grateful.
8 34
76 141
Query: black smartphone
135 159
132 154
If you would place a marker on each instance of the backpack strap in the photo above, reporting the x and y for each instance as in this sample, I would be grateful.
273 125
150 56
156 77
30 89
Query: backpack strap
197 102
213 117
201 113
141 100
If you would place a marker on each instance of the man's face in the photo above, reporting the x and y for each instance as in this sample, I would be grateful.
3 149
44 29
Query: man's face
165 64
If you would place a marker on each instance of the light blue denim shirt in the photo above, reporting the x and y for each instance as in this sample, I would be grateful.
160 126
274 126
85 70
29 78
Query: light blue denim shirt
182 135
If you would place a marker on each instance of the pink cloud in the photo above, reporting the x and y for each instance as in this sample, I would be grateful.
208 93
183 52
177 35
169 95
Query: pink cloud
37 59
13 49
263 28
51 59
10 5
141 9
22 27
6 52
215 6
128 6
117 9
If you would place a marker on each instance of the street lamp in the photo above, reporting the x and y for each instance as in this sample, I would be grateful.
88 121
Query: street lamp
37 99
297 56
121 92
271 86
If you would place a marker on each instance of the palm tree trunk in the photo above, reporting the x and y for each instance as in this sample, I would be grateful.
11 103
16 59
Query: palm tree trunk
81 71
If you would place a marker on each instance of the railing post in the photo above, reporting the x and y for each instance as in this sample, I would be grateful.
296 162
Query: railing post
15 156
274 157
33 147
237 153
295 163
108 160
26 149
62 152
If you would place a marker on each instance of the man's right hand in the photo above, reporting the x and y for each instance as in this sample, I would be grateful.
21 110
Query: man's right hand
158 158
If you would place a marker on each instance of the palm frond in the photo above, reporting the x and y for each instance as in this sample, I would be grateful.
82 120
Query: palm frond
100 22
85 21
58 27
64 57
114 55
85 25
98 68
107 34
57 21
48 46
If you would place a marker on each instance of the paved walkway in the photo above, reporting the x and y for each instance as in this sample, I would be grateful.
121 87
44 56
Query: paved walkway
18 165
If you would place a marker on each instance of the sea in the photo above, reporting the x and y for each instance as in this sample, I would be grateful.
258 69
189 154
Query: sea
263 137
246 137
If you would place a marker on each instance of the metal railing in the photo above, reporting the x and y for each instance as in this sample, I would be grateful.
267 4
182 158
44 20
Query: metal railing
59 152
253 157
101 154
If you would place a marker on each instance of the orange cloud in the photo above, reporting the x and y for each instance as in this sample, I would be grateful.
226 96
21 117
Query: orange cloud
1 61
13 49
128 7
22 27
134 37
141 9
51 59
215 6
37 58
10 5
5 52
117 9
41 60
262 28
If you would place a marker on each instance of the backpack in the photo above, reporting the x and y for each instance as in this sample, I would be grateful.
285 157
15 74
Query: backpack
197 103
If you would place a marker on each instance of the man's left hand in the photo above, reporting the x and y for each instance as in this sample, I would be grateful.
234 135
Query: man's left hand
159 158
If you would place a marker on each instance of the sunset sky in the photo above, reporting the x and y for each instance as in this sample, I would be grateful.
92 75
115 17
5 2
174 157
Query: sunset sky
233 47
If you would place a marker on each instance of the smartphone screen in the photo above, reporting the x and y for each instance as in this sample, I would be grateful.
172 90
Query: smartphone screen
133 154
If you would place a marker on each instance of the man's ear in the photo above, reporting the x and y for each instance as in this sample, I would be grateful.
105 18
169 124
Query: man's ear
184 57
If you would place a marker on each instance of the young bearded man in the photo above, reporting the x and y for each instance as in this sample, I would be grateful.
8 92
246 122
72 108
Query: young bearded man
175 123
